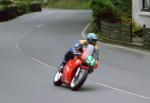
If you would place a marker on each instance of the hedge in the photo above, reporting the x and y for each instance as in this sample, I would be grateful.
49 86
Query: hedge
111 11
5 2
16 9
104 10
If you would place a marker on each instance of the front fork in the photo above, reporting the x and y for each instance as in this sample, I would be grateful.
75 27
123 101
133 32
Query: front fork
78 71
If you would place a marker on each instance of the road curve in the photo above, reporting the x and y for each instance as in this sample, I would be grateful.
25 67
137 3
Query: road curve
32 46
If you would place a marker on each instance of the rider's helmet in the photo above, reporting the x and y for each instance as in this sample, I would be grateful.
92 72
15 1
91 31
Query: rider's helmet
91 38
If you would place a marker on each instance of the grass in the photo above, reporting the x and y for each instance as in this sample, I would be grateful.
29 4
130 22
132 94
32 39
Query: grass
68 4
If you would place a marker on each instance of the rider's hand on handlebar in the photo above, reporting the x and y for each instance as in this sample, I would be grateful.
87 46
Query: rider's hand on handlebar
77 53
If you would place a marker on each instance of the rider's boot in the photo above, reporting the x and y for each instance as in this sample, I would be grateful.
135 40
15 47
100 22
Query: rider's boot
60 68
64 62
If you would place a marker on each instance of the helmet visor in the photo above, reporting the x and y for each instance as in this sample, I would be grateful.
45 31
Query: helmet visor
94 41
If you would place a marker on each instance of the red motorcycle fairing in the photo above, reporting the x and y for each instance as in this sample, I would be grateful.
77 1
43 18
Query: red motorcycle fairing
76 71
69 70
85 67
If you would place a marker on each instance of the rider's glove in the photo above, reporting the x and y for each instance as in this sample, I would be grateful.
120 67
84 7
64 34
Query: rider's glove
75 52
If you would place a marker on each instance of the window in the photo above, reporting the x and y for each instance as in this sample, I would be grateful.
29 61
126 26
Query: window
146 5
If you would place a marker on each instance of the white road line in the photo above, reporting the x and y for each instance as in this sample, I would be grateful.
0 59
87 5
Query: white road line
59 17
24 34
127 48
17 46
34 59
38 61
40 26
123 91
84 30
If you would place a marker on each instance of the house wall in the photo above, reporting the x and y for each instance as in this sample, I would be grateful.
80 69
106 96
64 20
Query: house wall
140 17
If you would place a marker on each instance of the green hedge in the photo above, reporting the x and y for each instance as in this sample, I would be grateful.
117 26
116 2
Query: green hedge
19 8
111 11
5 2
104 10
35 6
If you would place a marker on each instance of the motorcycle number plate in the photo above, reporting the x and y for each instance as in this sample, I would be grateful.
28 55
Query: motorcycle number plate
90 60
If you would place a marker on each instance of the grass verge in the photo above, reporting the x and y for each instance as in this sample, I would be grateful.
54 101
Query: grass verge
68 4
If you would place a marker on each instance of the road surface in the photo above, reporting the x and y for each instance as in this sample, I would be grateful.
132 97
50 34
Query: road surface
32 46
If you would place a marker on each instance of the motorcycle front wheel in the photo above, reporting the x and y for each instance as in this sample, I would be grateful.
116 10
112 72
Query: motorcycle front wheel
57 79
78 79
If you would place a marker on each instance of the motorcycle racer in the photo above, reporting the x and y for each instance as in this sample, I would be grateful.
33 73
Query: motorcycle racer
76 49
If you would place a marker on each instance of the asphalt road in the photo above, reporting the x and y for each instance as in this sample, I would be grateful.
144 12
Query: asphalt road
32 46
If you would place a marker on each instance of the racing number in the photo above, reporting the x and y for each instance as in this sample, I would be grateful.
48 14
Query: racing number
91 61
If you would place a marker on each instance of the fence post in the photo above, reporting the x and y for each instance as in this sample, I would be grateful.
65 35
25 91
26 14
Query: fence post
130 27
144 26
120 29
100 25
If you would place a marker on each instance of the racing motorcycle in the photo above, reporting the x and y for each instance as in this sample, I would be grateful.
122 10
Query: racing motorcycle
76 70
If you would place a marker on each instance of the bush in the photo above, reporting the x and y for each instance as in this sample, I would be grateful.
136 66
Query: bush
26 7
8 12
111 11
5 2
104 10
2 16
125 6
35 6
19 8
11 11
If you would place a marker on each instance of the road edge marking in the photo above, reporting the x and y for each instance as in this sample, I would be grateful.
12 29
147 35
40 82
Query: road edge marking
123 91
46 65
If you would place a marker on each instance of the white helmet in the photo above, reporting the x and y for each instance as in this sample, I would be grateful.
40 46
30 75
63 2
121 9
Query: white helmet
91 38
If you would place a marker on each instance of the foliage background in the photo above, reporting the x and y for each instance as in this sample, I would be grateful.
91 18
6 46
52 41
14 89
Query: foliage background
69 4
114 11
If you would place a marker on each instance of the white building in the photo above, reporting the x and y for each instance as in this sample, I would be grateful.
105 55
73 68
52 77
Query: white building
141 12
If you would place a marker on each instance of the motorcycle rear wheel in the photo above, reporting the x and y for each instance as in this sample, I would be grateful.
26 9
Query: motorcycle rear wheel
78 79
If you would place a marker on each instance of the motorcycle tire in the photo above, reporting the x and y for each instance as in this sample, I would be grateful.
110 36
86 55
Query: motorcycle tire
57 79
78 79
